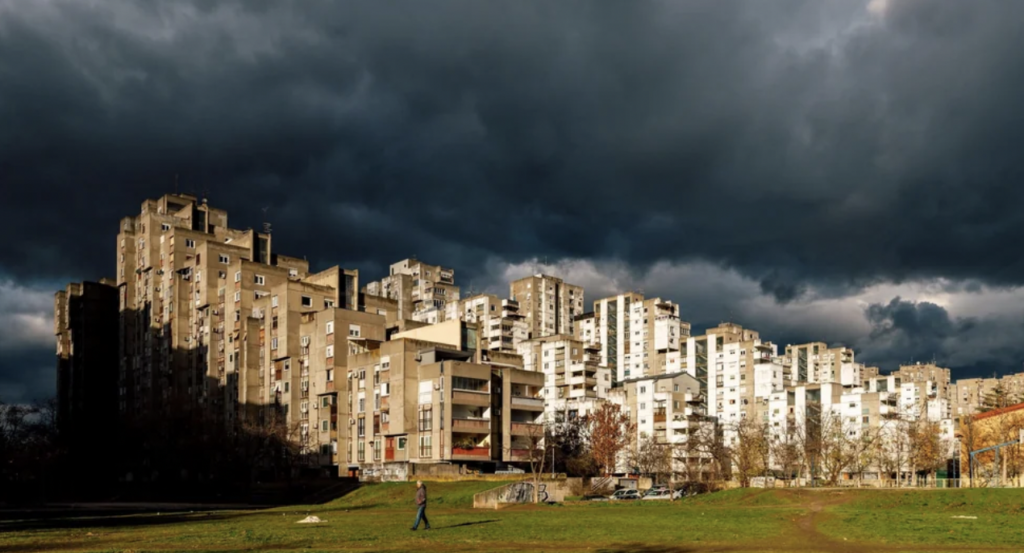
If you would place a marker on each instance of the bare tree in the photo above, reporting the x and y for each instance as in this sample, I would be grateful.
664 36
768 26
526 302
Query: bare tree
648 456
863 452
787 452
836 449
747 451
610 433
535 448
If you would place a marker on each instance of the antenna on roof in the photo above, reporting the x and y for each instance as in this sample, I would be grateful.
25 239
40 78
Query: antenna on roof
266 223
206 192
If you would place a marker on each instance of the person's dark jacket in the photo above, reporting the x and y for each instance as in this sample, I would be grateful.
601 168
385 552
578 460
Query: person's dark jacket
421 496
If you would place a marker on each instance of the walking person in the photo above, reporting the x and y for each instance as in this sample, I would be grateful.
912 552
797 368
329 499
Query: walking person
421 503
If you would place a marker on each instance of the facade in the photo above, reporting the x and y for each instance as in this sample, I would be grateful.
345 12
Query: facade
547 304
671 410
431 396
502 328
636 337
422 290
575 383
817 363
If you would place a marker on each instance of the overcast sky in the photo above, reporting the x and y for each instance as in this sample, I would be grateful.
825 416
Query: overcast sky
840 171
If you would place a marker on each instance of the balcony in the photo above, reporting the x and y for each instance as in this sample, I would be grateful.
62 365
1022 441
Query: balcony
477 453
529 403
659 416
527 429
519 455
476 399
471 426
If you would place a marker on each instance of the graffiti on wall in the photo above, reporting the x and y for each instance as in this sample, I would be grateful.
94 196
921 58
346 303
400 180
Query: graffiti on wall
522 492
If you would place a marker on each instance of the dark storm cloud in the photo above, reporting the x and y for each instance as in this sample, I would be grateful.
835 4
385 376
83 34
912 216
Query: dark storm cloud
804 143
905 331
797 142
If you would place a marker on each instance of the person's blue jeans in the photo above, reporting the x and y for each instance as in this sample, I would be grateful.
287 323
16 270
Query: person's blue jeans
421 514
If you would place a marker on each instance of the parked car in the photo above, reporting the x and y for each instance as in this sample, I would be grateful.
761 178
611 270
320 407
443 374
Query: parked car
688 489
625 495
657 494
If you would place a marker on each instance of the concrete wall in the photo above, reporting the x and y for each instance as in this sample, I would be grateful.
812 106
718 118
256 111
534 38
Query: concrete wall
522 492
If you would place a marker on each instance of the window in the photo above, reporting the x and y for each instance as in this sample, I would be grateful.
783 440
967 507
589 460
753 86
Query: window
401 444
426 420
190 244
361 426
238 276
353 330
324 425
362 405
273 301
328 304
425 449
286 386
224 259
293 273
307 301
238 296
165 227
330 375
273 343
643 390
325 402
258 279
330 327
330 351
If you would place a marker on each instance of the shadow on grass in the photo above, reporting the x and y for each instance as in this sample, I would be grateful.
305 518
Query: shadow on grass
462 524
643 548
113 521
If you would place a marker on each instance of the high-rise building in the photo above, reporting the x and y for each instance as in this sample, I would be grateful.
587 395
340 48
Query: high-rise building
502 328
422 290
213 321
575 383
637 337
548 304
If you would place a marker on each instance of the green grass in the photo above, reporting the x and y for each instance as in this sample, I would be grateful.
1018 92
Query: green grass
927 517
377 518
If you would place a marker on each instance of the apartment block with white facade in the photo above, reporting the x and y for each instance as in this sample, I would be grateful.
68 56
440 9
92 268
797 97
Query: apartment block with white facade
637 337
574 381
501 325
668 407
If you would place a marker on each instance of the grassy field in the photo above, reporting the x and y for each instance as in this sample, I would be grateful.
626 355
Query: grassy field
378 517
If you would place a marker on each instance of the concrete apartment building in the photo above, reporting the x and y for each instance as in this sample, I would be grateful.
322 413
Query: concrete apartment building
501 325
86 327
636 337
575 383
663 406
432 396
817 363
213 320
547 304
421 290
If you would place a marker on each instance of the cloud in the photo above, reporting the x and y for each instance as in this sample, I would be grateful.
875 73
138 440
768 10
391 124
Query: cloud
27 343
799 144
26 317
810 153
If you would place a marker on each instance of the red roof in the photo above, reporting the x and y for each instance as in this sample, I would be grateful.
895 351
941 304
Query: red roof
1000 411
